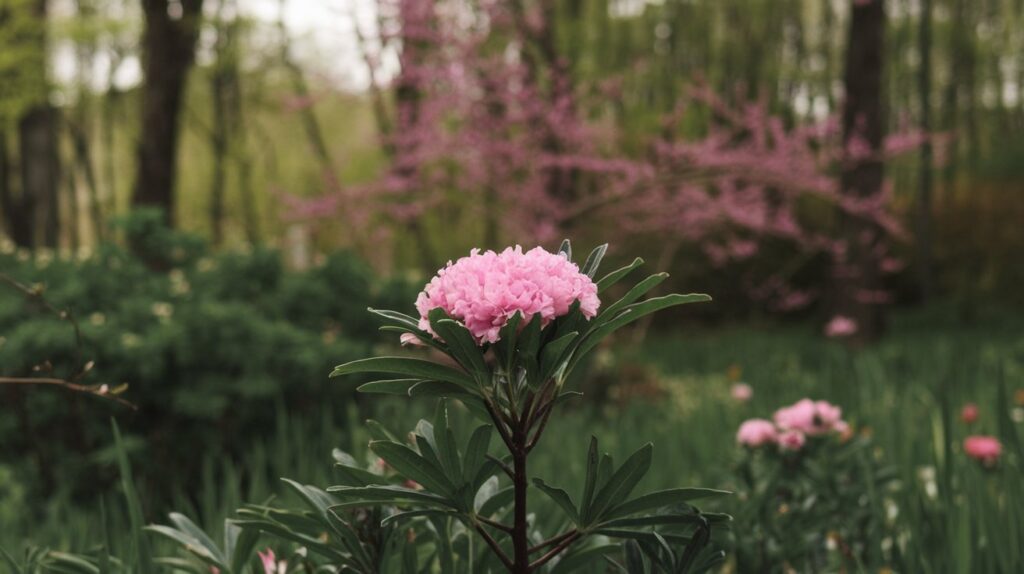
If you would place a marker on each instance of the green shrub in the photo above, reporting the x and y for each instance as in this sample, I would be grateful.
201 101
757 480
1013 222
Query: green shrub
209 345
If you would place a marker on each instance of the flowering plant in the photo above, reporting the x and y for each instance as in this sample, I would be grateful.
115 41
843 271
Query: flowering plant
512 326
813 495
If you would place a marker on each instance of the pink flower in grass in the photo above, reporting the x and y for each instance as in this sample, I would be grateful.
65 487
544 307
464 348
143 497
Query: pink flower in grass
969 413
485 290
742 392
756 432
810 417
840 326
269 561
792 440
986 449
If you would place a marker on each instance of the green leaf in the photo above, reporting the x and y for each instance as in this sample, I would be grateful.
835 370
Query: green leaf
487 490
634 559
438 389
460 342
528 344
554 354
633 313
594 260
407 366
501 499
189 543
584 557
566 247
561 497
387 494
143 551
661 499
410 514
622 481
355 476
10 561
590 482
617 275
476 452
411 465
389 387
379 431
185 525
447 450
638 291
242 548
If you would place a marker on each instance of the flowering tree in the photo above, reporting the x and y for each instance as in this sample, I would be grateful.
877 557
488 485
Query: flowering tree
488 112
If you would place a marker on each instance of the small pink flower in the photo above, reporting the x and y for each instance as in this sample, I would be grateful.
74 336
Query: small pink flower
410 483
809 417
969 413
986 449
485 290
741 392
840 326
269 561
792 440
756 432
409 339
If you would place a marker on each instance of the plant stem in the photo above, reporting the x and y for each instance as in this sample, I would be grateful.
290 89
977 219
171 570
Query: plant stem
520 538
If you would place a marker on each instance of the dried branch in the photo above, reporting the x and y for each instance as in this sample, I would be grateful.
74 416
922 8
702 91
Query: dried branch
34 294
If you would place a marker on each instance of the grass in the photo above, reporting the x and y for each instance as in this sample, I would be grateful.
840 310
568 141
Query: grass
906 392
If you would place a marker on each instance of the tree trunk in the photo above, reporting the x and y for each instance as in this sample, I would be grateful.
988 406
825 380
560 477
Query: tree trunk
924 199
40 174
856 276
168 53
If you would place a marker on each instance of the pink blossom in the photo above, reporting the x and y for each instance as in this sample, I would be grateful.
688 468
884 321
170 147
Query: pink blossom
809 417
269 561
840 326
756 432
741 392
792 440
969 413
986 449
485 290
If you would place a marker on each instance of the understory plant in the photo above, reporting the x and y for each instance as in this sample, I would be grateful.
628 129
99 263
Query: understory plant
815 497
506 330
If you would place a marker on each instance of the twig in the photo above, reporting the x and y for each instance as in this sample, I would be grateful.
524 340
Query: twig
552 540
495 524
501 464
554 551
495 547
102 391
35 294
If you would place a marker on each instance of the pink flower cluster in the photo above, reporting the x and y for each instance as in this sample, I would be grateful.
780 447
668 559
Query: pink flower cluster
986 449
792 425
485 290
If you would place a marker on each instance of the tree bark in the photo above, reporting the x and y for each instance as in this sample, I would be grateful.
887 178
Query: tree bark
168 44
40 175
856 276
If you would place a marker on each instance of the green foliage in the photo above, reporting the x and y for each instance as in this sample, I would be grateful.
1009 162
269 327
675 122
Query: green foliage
22 60
820 508
216 339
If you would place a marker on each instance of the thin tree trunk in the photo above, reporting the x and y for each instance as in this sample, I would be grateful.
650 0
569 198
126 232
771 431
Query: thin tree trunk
168 54
219 131
856 277
924 199
40 173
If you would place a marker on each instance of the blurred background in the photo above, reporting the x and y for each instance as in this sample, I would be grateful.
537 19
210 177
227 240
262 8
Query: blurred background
200 198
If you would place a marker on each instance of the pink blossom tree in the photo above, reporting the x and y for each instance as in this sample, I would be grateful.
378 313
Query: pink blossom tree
489 126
